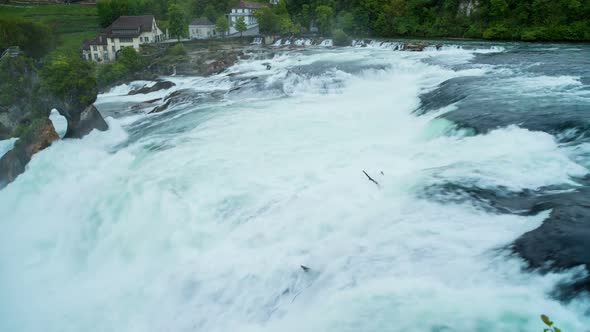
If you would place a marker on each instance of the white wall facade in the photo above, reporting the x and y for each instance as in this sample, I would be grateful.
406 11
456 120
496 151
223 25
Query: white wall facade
246 13
202 31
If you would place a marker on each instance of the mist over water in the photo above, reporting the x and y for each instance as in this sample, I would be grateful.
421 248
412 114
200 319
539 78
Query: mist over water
198 218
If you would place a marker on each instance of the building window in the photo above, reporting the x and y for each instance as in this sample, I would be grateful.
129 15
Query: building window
106 56
95 56
126 40
94 47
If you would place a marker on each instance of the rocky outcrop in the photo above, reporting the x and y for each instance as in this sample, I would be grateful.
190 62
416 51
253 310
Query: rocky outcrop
39 136
220 64
467 7
160 85
81 124
25 104
416 46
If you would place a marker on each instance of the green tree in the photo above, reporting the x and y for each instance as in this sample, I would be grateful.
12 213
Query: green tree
324 18
70 78
130 59
222 25
268 21
210 13
34 39
345 21
240 25
109 10
176 22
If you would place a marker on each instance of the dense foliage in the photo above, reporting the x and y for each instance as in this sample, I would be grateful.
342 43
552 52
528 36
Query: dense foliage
34 39
177 25
128 62
69 78
490 19
110 10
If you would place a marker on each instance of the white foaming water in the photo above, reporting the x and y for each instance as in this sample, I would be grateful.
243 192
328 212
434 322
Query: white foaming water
204 229
7 145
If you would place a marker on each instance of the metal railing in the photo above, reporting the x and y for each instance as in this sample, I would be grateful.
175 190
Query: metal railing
12 51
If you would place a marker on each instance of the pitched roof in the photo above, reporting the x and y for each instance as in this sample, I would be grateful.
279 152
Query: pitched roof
130 26
98 40
250 5
201 21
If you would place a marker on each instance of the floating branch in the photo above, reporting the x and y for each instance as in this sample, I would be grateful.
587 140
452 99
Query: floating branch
371 179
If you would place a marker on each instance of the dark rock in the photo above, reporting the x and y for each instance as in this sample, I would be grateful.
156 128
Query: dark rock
143 105
563 241
86 121
161 108
416 46
38 137
161 85
220 64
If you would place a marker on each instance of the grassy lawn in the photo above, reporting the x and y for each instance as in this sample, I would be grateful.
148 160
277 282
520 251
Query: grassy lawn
73 23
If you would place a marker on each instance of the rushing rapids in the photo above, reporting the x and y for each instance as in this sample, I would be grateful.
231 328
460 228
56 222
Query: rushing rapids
199 217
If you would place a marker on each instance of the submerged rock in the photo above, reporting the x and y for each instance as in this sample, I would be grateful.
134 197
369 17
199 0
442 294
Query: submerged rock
563 240
39 136
161 85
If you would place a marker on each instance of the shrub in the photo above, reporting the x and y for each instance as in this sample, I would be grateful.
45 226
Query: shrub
474 31
177 50
497 32
340 38
531 34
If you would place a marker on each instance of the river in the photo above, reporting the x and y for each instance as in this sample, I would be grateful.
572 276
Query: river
199 218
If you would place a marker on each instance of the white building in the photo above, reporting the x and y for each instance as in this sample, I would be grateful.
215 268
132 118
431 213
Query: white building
126 31
246 10
201 28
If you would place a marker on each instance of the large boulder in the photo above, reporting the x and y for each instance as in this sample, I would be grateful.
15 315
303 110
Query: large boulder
38 136
84 122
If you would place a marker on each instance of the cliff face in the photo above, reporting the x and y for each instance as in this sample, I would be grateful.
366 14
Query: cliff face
16 93
467 7
24 113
